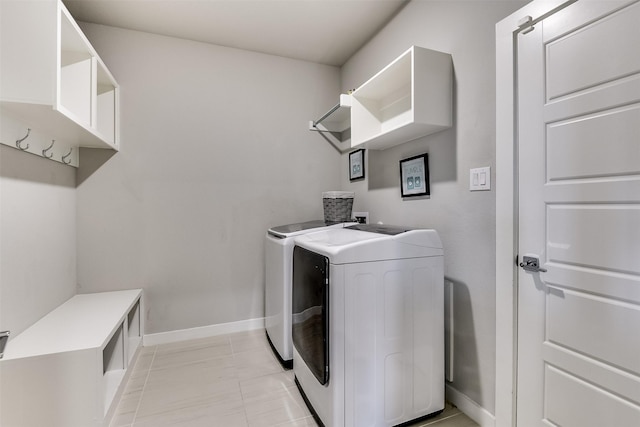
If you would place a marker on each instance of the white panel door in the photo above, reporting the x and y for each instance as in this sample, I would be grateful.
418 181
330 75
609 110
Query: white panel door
579 213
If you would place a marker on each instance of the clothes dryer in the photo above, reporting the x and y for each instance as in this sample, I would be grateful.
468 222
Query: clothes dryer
368 324
279 242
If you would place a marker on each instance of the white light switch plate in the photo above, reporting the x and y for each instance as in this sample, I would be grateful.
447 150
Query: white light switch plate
480 179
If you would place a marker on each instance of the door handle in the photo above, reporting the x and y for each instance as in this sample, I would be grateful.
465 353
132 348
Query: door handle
532 264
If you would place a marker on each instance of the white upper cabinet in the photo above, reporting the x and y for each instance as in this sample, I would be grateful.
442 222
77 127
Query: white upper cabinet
408 99
53 80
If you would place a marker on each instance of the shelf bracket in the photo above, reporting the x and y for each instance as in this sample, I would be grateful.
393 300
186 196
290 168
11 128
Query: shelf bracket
332 137
327 114
337 123
4 338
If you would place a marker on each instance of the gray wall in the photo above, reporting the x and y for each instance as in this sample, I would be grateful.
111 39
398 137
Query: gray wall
465 220
215 149
37 237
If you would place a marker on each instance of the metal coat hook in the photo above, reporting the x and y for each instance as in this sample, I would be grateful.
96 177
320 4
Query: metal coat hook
19 141
44 152
66 156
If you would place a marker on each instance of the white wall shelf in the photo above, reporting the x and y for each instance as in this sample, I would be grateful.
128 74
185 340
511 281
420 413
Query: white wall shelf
410 98
53 82
68 368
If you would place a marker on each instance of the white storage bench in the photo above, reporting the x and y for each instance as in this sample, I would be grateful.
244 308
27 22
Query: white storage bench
67 368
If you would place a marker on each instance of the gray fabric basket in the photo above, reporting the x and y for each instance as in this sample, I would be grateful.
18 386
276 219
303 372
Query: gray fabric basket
337 205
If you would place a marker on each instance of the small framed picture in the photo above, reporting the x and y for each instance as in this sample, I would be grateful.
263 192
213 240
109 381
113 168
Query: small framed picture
414 176
356 165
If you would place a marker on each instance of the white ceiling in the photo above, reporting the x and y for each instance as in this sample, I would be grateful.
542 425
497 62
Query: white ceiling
322 31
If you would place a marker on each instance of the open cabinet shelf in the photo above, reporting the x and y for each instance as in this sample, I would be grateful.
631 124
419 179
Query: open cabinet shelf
410 98
53 81
114 364
134 331
68 368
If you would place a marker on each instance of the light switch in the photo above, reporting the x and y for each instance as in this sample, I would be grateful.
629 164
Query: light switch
480 179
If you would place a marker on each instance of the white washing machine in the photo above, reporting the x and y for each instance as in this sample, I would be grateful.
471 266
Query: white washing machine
368 324
279 243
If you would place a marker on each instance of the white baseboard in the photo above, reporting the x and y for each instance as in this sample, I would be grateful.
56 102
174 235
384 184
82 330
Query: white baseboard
470 408
202 332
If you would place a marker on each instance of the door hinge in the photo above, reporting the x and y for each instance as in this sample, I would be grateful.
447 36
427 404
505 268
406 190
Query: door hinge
526 25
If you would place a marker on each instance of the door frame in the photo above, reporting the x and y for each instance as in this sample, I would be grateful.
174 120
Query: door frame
507 32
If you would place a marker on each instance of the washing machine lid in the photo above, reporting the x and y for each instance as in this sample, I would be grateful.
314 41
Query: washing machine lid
289 230
353 244
391 230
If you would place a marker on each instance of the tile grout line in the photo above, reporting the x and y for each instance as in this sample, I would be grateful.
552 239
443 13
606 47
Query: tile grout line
144 386
235 371
439 420
242 394
296 420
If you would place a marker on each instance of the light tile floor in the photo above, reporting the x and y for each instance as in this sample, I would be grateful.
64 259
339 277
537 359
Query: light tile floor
228 381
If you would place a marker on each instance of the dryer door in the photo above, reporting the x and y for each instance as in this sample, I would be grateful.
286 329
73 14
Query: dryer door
311 310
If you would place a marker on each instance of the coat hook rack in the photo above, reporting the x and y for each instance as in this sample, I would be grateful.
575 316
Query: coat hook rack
44 152
66 156
19 141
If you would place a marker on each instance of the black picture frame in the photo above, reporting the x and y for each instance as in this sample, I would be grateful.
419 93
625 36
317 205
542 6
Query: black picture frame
414 176
356 165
